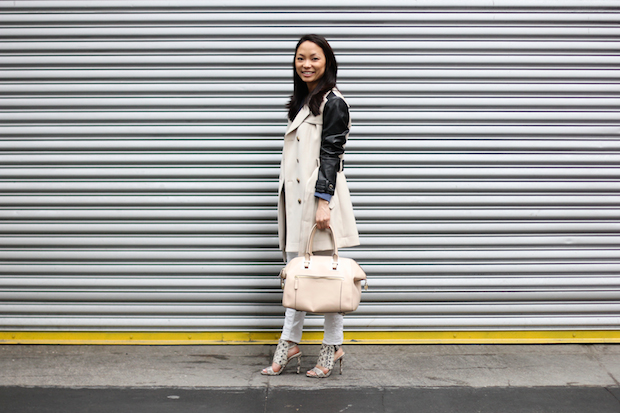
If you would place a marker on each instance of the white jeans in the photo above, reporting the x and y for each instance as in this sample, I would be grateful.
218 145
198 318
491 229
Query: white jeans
294 323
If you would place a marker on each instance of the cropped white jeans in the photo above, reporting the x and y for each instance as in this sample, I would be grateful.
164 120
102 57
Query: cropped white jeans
294 322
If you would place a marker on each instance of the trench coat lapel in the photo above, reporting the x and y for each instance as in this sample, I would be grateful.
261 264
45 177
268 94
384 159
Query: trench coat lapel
299 119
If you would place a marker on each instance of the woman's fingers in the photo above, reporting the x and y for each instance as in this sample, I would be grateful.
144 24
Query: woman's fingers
322 224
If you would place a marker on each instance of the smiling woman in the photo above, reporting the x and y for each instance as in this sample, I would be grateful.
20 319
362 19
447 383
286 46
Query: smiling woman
313 188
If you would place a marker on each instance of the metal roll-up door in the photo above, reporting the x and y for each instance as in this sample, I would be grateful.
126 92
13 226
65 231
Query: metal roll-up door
140 145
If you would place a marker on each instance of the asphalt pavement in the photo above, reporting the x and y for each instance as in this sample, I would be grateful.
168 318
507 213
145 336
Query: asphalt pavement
397 378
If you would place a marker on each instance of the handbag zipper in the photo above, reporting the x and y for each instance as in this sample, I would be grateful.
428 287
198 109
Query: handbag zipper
326 277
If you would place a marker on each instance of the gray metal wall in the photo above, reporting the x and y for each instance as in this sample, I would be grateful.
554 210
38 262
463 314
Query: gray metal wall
140 144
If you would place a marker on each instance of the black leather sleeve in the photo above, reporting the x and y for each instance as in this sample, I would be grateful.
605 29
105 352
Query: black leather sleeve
333 139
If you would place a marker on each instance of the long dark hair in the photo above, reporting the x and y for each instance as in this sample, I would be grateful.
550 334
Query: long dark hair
327 82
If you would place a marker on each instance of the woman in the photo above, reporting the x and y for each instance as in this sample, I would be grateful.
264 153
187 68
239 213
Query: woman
313 189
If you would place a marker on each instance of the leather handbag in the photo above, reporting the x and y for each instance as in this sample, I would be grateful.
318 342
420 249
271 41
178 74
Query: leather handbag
322 284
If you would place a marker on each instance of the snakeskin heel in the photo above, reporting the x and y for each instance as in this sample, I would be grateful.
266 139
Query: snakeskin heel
281 357
326 359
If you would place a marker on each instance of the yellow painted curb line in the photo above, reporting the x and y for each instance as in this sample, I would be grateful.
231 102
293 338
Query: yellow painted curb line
314 337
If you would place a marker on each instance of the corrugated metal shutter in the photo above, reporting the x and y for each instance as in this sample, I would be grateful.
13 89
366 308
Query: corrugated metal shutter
140 144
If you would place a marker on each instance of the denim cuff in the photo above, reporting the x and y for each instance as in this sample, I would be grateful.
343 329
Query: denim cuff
321 195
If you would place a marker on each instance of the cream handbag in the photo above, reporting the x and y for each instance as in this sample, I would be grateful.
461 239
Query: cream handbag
322 284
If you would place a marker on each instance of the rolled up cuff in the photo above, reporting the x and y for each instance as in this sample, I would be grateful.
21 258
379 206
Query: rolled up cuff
326 197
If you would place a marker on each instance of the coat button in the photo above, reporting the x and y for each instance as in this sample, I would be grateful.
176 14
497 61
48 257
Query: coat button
298 138
299 200
298 181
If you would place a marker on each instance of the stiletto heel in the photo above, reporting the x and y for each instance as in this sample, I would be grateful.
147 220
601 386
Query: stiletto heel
281 358
327 360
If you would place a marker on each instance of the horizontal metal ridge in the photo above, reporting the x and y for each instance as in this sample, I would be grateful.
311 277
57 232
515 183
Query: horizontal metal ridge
260 187
375 173
262 104
279 51
149 13
592 27
275 131
207 257
265 144
270 74
408 271
261 322
277 90
242 215
497 200
377 242
366 309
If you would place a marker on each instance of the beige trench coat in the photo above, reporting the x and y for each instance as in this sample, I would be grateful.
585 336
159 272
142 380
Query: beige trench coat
297 204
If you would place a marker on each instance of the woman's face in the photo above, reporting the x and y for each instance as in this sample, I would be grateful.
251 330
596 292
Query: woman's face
310 63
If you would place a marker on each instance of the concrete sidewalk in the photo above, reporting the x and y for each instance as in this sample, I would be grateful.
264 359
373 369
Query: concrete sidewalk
450 378
364 366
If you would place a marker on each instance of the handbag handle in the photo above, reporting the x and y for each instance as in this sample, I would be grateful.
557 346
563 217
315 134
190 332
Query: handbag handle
311 241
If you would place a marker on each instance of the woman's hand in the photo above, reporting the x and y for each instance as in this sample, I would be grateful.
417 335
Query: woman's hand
322 214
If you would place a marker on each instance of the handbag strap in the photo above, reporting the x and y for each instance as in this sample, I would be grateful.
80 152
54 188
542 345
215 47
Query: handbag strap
311 241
